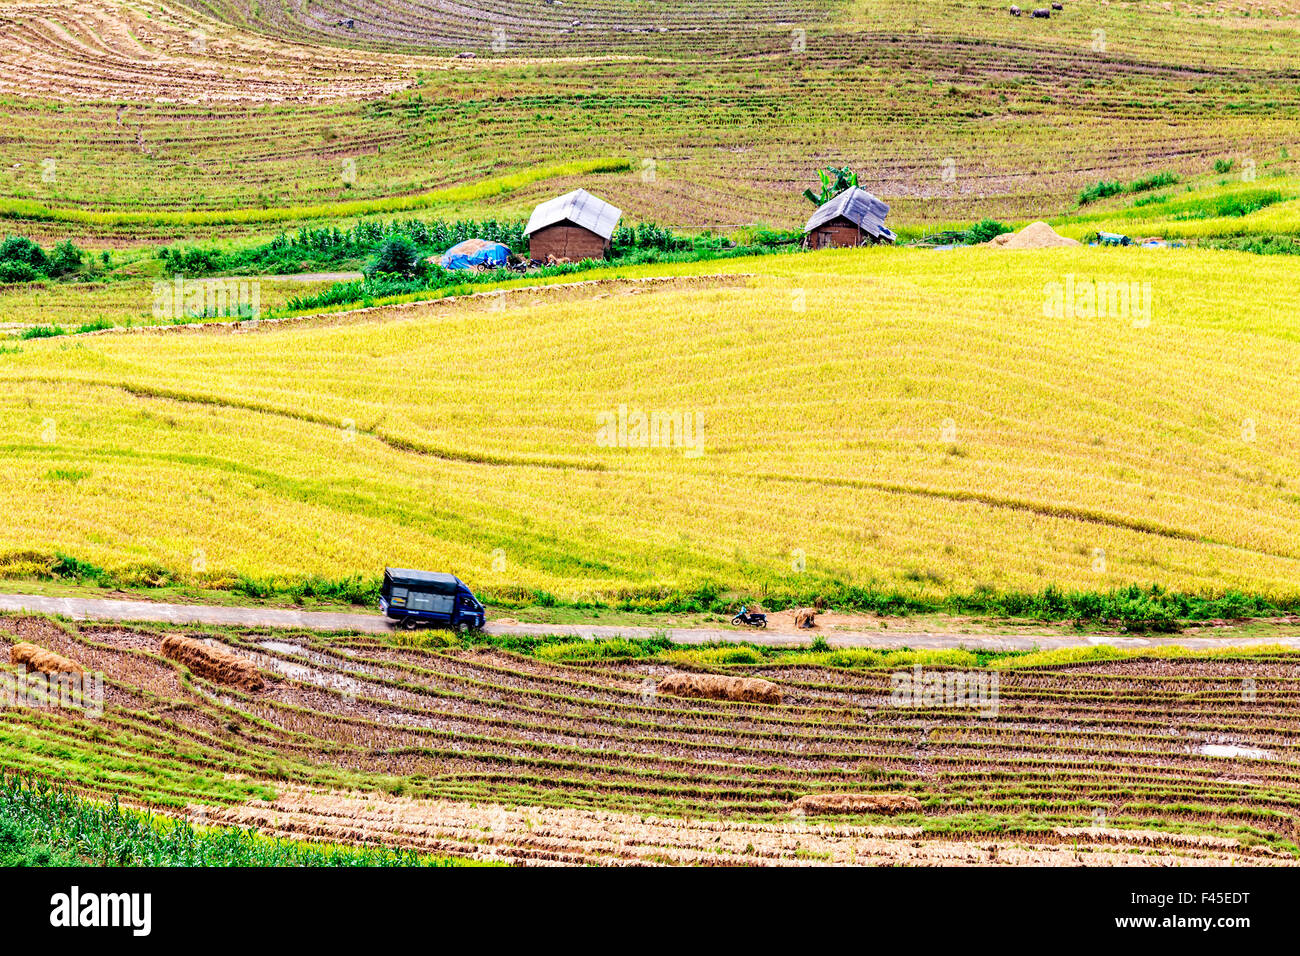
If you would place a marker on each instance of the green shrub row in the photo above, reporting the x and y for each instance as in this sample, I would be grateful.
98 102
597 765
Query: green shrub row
22 260
1111 187
396 271
1132 608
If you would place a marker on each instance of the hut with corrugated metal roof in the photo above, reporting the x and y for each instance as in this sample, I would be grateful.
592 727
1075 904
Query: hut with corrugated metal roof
574 226
852 218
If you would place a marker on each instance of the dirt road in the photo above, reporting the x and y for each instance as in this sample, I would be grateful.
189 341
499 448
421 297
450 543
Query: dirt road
102 609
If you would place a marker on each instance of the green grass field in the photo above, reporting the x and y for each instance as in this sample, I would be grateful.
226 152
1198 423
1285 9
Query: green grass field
44 825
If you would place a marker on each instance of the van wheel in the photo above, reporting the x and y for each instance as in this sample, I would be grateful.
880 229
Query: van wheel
408 623
462 627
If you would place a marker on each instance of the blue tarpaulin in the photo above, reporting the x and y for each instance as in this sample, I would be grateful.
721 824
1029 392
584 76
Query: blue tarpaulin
474 252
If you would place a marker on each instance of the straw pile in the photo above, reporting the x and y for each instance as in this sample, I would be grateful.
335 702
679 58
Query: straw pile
216 665
857 803
39 659
751 690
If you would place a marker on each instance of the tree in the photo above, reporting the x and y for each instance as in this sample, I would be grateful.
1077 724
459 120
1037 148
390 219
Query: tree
834 180
397 256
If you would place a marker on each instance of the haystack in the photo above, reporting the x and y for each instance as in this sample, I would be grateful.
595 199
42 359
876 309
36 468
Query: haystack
214 664
751 690
39 659
857 803
1036 235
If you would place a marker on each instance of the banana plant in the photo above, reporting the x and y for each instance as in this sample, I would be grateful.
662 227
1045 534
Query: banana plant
834 180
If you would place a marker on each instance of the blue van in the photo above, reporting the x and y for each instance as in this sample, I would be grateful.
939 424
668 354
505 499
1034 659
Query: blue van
429 597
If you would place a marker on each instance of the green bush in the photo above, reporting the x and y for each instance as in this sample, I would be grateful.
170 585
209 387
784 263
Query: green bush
11 270
22 260
329 247
22 249
66 566
65 259
39 331
1100 191
1140 613
986 230
1110 187
1154 181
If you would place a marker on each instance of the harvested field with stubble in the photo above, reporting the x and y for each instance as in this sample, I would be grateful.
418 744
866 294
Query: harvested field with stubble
476 752
166 113
108 50
542 836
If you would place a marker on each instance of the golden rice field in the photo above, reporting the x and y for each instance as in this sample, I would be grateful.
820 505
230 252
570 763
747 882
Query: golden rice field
902 418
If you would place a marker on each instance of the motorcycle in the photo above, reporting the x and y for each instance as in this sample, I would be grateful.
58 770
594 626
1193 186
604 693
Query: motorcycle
752 618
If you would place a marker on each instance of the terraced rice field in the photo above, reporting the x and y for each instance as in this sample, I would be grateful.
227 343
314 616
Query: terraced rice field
951 436
116 51
137 118
481 753
70 305
928 426
521 27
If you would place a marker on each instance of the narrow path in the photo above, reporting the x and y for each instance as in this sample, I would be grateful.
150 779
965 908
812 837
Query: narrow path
104 609
305 277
